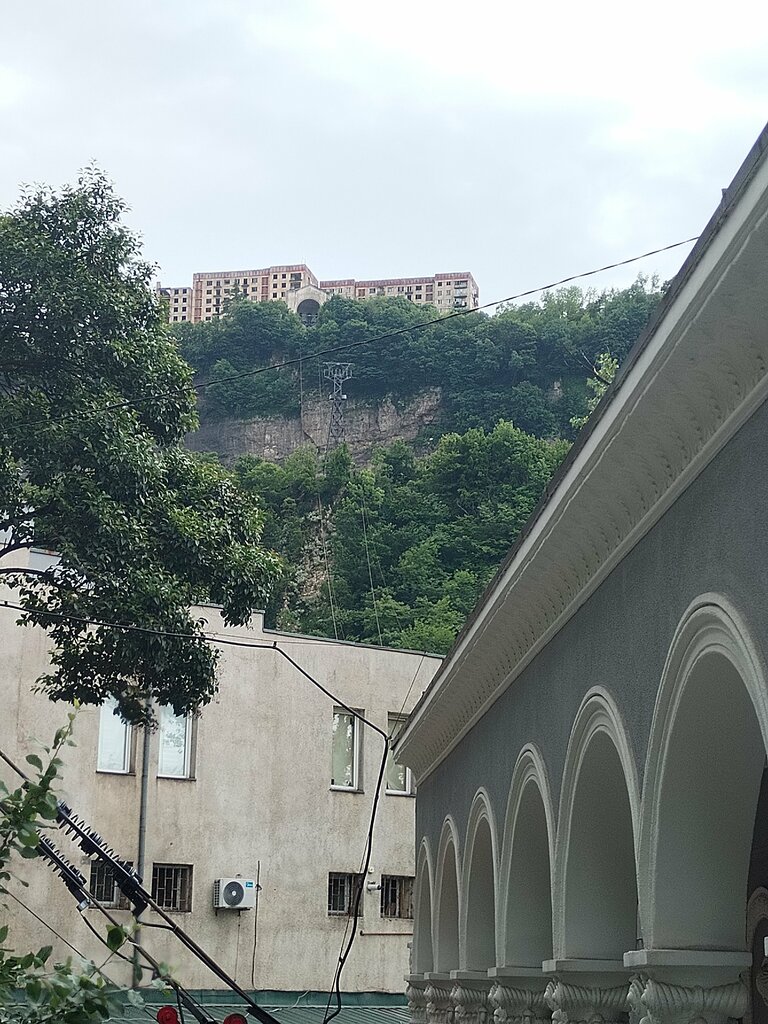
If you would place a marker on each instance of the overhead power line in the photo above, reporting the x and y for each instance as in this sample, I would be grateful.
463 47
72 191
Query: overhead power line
336 349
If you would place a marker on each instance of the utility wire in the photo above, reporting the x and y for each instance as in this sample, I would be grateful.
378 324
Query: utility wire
175 392
213 638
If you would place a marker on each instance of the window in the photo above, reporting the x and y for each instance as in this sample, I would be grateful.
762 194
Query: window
345 754
175 757
114 741
397 896
398 776
103 888
172 886
342 893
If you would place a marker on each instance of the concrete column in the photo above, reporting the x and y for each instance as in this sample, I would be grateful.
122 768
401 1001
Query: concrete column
439 1002
416 994
470 996
685 986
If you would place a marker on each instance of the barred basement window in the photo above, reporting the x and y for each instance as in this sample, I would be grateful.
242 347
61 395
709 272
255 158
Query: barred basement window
102 886
172 886
342 893
397 896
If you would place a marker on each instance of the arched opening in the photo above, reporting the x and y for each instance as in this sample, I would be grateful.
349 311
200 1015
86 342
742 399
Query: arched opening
307 311
480 911
528 918
423 960
708 774
446 952
599 888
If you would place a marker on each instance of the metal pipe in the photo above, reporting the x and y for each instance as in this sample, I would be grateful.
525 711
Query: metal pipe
142 842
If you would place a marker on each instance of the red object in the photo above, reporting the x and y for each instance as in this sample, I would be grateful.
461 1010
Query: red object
235 1018
167 1015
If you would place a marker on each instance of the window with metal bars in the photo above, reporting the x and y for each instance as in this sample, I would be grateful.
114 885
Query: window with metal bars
103 888
342 893
172 886
397 896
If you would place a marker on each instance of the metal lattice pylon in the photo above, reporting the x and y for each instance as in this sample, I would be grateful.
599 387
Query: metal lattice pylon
338 373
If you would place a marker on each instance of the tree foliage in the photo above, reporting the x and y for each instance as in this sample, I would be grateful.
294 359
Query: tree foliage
428 532
95 400
32 989
527 364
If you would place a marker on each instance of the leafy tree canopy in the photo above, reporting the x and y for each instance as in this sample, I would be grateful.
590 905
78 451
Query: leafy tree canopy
528 364
410 542
144 528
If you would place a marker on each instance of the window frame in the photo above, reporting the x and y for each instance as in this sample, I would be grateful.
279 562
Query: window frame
190 747
399 887
187 873
128 743
352 881
395 717
357 775
117 901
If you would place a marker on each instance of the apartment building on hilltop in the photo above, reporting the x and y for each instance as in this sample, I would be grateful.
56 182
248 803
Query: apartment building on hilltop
292 283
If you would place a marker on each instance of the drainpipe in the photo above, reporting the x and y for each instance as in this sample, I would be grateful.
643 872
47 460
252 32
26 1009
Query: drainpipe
142 844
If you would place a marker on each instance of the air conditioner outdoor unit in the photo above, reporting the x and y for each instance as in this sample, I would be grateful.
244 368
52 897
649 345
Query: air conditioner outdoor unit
234 894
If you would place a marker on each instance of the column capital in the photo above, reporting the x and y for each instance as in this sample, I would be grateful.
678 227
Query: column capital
416 994
573 1003
439 1003
470 995
657 1002
519 1000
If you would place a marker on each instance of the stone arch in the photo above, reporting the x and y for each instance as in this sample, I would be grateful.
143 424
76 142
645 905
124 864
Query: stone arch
446 906
423 959
595 890
477 931
524 936
702 780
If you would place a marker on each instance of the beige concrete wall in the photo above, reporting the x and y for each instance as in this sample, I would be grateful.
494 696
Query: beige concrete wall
260 803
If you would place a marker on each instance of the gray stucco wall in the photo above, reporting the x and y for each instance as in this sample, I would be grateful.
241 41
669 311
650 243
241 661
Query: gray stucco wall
714 538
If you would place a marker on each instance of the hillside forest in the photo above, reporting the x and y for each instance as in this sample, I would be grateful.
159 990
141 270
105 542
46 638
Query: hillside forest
398 551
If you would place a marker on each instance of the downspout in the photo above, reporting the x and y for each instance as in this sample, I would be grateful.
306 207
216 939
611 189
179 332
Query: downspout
142 844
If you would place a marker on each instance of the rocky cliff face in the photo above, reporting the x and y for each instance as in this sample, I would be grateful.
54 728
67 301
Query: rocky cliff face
366 425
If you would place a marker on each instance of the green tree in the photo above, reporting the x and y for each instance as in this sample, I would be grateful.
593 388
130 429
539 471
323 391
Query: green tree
605 369
32 989
95 401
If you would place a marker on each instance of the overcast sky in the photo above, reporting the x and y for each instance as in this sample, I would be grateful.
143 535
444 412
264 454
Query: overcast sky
520 141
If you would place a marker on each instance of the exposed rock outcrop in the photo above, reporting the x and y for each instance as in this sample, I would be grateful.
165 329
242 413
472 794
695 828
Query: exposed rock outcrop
367 424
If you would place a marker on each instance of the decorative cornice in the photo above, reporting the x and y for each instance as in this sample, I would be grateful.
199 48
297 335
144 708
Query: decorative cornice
694 382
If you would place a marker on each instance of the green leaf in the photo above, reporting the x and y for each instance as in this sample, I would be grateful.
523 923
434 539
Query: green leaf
115 938
34 760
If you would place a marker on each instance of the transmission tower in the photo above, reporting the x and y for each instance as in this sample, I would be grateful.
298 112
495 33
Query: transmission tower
338 373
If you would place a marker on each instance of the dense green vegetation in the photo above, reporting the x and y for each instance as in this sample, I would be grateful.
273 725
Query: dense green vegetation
411 541
528 364
398 552
143 528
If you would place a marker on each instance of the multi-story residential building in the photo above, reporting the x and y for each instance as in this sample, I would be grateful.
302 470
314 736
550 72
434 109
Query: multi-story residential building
273 783
206 299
